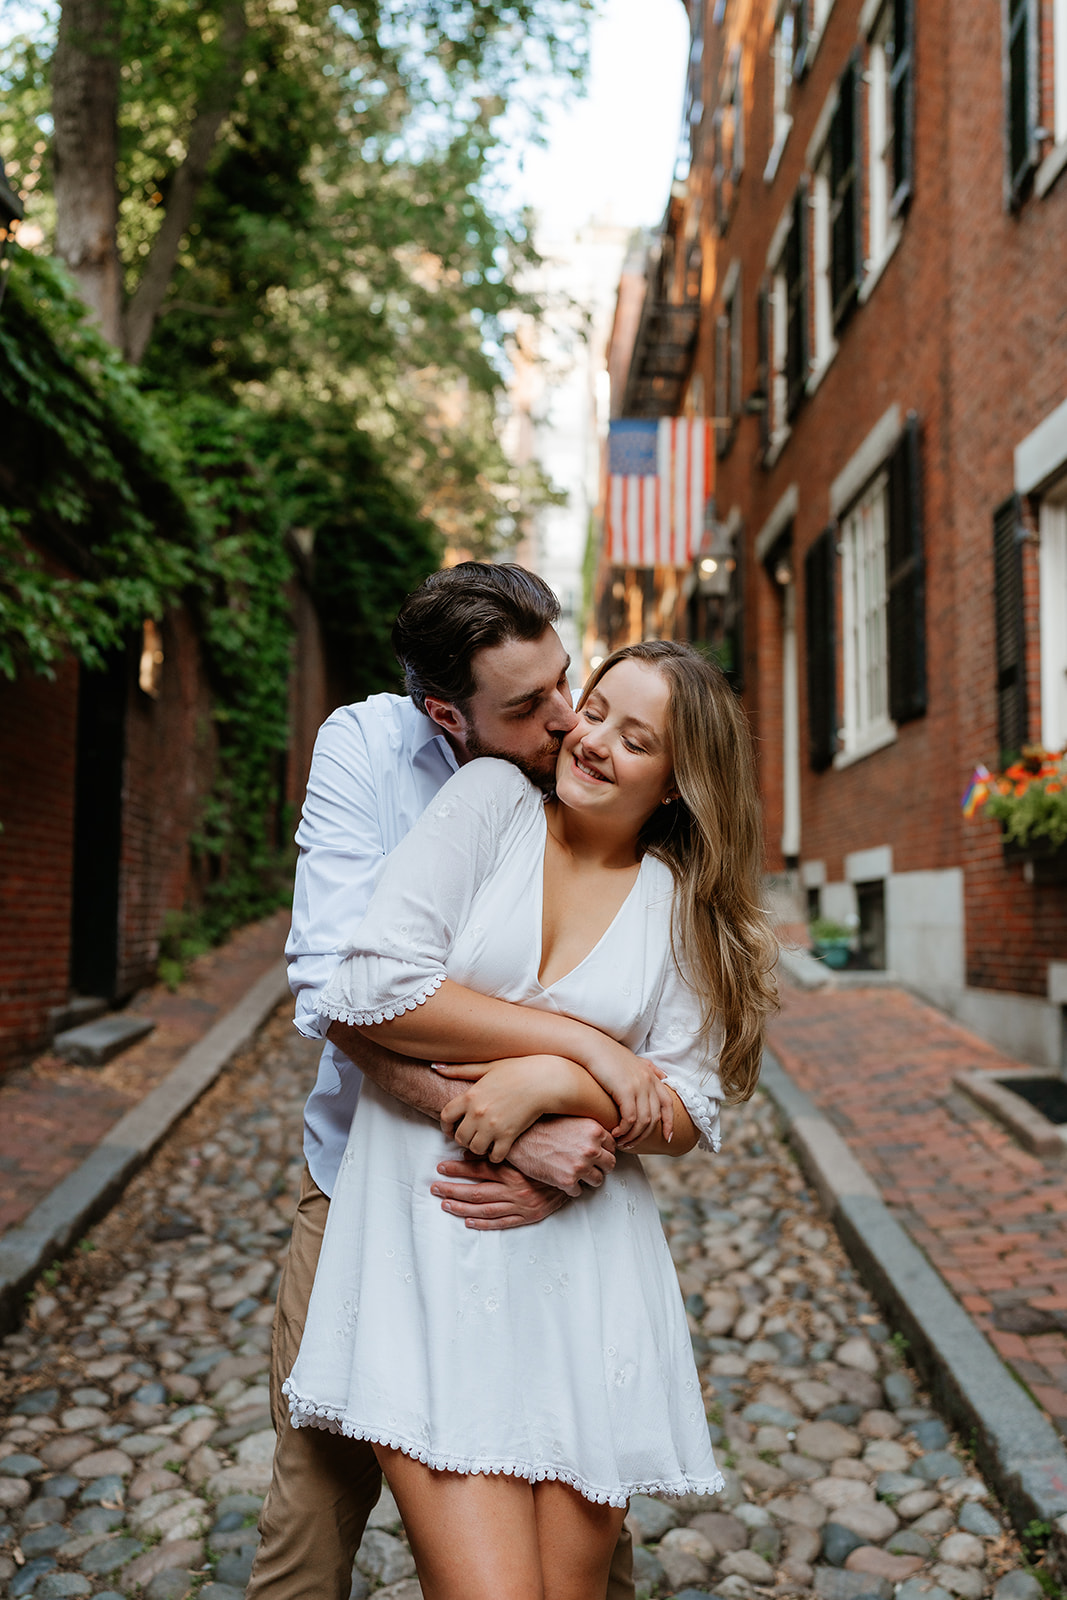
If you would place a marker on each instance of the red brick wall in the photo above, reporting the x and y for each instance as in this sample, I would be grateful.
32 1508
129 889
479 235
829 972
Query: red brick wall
966 327
310 702
170 745
37 727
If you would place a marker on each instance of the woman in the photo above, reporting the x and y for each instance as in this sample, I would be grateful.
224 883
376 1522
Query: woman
518 1387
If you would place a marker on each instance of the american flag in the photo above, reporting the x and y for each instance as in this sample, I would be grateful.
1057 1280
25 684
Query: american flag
659 479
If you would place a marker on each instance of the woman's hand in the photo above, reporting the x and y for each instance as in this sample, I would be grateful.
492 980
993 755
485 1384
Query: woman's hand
637 1088
488 1117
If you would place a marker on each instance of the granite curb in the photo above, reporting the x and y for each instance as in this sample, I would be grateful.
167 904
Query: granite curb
87 1192
1015 1445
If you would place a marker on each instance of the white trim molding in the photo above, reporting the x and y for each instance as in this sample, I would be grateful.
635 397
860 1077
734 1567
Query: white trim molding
1043 452
867 866
861 467
812 874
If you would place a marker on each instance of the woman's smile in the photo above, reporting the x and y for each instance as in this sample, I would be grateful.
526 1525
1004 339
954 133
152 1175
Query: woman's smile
590 772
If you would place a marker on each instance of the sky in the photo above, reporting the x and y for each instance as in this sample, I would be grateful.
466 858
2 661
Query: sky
611 153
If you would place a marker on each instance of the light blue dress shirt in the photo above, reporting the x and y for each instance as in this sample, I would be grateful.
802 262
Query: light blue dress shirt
375 769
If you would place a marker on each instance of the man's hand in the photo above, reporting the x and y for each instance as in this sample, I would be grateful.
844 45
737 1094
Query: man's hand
565 1152
492 1197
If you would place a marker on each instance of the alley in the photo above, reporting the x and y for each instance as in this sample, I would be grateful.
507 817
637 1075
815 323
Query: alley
135 1434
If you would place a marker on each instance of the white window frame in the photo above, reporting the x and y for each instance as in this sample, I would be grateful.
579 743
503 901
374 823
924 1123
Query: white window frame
783 56
862 549
1056 158
1052 578
883 229
737 104
779 330
824 342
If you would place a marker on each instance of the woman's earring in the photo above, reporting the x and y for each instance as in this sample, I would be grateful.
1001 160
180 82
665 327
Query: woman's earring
668 800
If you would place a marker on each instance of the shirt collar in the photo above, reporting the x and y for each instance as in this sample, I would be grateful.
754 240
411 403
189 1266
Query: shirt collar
428 732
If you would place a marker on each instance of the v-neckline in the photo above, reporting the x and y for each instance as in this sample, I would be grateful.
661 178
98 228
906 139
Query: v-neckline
546 988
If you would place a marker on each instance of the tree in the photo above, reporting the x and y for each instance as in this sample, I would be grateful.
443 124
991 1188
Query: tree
301 194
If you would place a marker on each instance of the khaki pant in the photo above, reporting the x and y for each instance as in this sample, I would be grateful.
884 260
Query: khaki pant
324 1486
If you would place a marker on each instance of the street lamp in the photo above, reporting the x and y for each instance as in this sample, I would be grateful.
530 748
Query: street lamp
10 212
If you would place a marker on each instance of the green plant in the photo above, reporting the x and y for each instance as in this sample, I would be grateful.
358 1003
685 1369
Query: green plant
825 931
51 1275
1029 798
1036 1535
900 1345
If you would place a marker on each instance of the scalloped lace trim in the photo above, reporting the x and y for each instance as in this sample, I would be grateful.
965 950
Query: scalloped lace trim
698 1106
306 1414
338 1012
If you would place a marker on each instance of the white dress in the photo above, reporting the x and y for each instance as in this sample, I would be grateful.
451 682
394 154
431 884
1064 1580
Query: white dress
558 1350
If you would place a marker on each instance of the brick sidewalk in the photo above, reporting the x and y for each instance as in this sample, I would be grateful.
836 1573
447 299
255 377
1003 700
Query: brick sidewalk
991 1217
52 1114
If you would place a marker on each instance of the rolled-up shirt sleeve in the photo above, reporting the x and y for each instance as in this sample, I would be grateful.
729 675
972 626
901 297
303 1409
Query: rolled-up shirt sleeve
340 857
396 960
674 1044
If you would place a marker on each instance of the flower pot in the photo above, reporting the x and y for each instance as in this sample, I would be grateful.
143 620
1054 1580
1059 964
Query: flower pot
832 952
1047 861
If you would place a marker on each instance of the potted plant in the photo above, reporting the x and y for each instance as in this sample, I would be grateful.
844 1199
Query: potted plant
831 942
1029 800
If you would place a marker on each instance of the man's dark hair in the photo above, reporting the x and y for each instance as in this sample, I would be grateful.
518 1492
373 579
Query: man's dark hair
456 613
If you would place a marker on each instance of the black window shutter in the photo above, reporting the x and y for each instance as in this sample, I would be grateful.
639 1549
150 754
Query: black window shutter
764 377
800 38
819 619
796 280
902 95
1010 628
846 253
1020 90
905 579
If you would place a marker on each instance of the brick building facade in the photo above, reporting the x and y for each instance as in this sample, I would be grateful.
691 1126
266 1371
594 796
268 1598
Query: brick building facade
103 780
875 197
880 201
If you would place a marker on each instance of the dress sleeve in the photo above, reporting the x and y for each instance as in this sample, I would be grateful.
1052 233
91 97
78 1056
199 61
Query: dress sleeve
675 1046
396 959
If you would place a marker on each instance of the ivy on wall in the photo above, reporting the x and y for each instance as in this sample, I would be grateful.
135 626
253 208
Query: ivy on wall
118 504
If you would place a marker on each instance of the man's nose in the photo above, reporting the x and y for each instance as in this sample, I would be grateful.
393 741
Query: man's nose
561 715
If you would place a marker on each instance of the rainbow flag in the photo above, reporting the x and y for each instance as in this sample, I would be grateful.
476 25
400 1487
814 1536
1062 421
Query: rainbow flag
977 790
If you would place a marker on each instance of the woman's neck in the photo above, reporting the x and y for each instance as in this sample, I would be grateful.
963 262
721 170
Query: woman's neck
591 840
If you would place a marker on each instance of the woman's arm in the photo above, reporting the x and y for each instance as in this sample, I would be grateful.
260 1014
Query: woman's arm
459 1025
504 1101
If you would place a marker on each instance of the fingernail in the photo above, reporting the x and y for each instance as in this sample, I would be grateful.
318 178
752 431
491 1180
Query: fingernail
447 1206
434 1189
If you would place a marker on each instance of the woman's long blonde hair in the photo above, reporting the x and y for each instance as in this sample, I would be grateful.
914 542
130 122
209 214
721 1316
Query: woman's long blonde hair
712 840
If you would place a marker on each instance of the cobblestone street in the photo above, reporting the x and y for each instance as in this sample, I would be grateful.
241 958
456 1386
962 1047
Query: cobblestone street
135 1436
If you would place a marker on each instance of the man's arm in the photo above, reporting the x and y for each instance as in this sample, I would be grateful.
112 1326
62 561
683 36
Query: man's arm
561 1153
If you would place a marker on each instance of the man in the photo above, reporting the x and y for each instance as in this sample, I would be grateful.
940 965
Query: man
486 675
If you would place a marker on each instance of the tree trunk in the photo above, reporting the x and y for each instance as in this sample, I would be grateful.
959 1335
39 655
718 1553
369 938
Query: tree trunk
85 99
214 108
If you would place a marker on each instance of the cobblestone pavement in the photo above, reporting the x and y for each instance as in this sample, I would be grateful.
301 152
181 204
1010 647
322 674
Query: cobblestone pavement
991 1217
135 1436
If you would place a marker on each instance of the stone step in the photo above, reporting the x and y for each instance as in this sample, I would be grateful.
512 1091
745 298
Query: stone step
83 1008
95 1043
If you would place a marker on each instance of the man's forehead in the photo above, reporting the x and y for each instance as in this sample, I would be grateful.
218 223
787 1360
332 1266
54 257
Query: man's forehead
519 667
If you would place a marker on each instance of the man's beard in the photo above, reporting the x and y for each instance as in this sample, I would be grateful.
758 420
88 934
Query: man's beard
539 768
